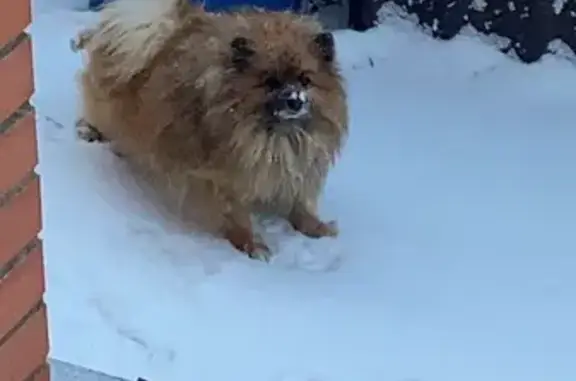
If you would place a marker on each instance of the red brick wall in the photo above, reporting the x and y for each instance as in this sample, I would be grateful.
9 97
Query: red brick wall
23 326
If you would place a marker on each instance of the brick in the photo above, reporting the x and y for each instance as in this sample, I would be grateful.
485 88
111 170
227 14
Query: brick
17 75
16 15
26 349
43 374
19 221
26 280
18 151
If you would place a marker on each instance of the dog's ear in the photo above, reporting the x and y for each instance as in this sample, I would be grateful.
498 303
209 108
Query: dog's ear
325 45
242 51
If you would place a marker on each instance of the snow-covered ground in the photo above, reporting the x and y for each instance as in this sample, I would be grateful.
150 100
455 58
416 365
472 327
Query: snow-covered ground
456 202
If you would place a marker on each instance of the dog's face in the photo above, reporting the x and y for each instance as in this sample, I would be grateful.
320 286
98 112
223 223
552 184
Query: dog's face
282 86
287 97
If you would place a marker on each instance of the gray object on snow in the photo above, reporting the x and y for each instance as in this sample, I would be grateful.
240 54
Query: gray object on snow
63 371
333 14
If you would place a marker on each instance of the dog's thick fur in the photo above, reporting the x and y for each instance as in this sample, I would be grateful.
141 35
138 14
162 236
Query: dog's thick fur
179 93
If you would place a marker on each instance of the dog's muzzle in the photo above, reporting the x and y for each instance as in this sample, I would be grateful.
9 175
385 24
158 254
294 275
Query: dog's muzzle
292 102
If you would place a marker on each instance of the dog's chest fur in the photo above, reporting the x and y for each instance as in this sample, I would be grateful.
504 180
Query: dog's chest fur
282 172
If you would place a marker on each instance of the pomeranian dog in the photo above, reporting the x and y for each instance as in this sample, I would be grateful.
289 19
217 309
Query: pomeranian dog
231 114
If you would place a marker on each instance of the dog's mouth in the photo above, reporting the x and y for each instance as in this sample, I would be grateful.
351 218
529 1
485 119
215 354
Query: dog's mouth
291 104
291 115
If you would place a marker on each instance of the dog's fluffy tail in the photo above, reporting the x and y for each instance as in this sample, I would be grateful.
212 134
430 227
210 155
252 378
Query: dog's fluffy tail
131 32
82 38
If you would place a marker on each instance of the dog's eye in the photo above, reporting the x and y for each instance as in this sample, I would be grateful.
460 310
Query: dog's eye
304 80
272 83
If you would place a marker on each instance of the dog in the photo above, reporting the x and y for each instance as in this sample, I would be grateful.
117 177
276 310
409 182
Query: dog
229 114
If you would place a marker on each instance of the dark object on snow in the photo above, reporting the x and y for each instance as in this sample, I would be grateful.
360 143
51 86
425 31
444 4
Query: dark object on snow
362 14
530 25
334 14
214 5
339 14
274 5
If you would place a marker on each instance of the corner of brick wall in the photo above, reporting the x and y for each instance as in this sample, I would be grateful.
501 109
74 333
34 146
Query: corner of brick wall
23 320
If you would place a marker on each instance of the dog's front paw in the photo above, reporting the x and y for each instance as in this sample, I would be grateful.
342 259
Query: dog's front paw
251 244
255 248
311 226
319 229
261 252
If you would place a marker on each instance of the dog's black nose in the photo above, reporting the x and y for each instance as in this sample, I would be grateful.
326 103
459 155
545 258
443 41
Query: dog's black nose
292 99
294 105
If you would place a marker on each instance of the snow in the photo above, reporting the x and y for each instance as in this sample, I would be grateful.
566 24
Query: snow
456 259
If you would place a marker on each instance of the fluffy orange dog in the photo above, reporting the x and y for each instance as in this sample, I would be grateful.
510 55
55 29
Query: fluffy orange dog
227 114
